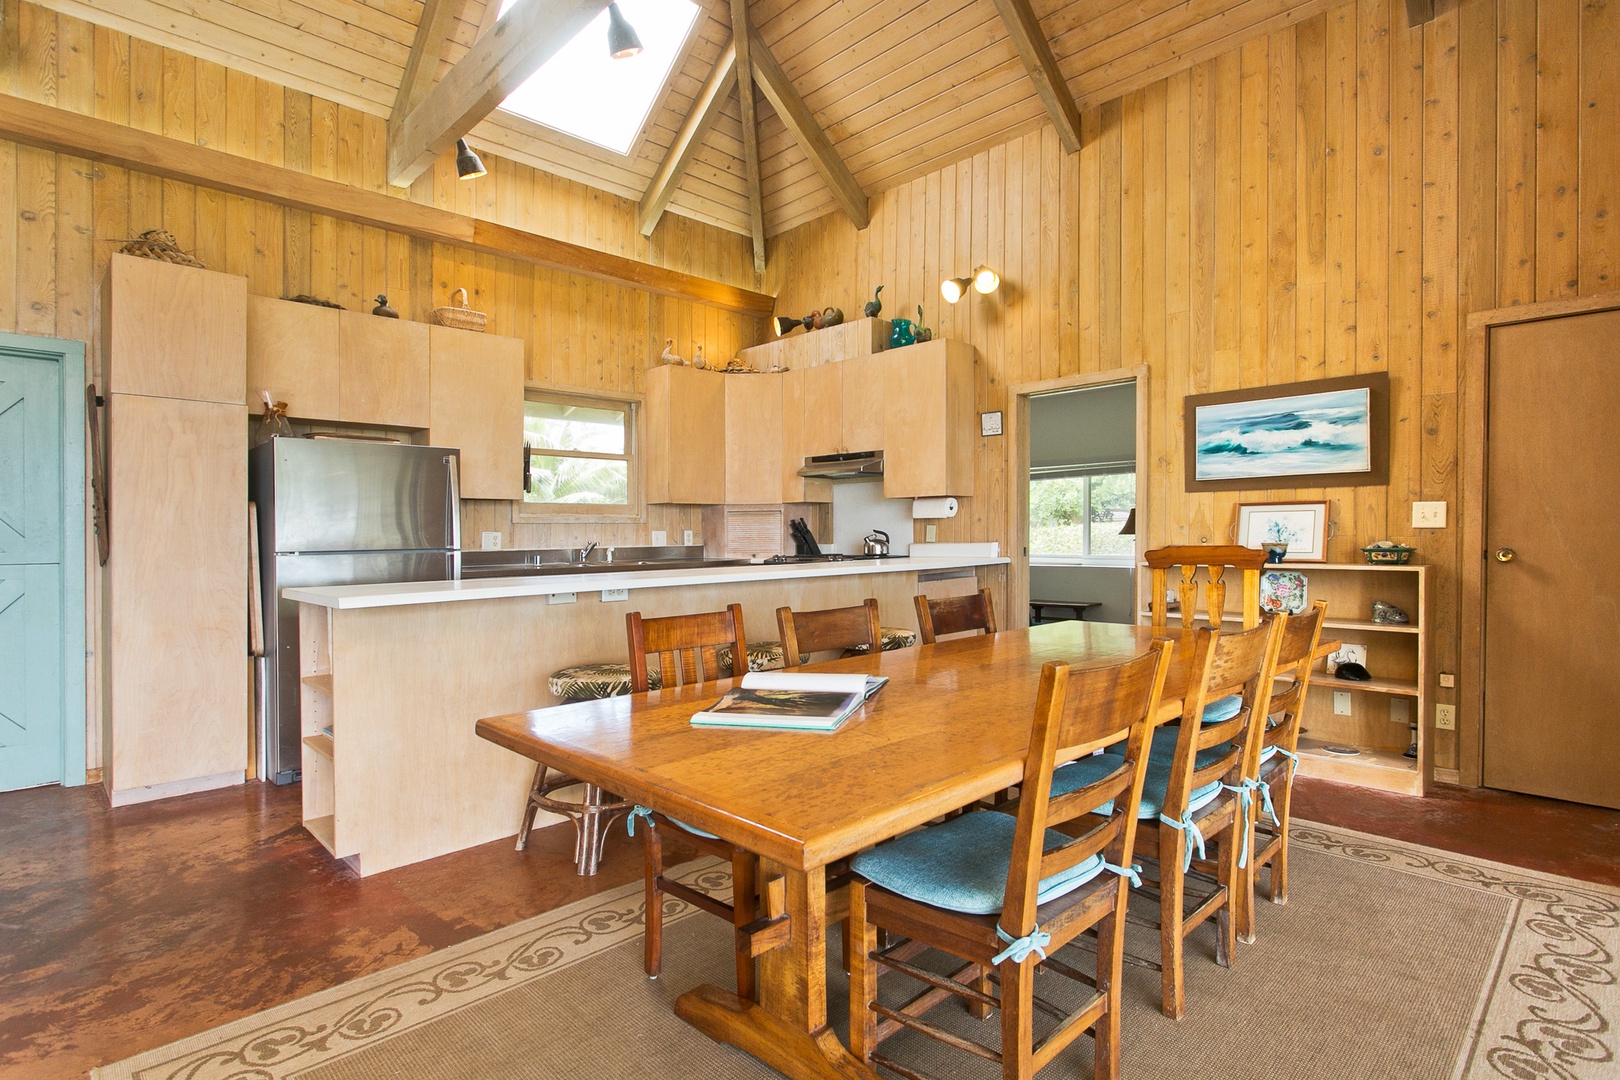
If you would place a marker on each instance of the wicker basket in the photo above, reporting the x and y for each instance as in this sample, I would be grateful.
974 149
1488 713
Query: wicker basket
459 316
159 244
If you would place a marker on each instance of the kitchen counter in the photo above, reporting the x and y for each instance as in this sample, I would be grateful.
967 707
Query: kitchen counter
395 678
352 597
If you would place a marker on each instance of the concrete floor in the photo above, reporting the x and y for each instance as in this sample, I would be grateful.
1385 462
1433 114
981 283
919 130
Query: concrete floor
125 930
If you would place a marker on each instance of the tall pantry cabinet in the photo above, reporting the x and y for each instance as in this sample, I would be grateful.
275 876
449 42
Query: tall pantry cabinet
175 690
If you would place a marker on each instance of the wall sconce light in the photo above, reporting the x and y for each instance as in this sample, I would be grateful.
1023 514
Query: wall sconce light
983 280
622 40
786 323
468 166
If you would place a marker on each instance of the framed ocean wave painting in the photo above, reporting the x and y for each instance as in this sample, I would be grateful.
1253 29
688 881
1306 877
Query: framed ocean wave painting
1325 433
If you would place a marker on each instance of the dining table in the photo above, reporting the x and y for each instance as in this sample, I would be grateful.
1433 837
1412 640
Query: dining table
950 727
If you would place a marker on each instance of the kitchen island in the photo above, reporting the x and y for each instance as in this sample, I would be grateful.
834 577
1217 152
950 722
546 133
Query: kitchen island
394 678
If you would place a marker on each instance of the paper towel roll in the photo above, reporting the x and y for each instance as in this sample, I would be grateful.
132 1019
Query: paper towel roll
933 508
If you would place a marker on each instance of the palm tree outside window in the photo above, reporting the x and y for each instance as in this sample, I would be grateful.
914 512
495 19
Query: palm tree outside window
580 456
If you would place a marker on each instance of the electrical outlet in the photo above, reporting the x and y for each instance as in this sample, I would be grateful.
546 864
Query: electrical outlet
1445 718
492 541
562 598
1428 515
1448 680
1349 653
610 595
1341 703
688 540
1400 711
659 538
930 533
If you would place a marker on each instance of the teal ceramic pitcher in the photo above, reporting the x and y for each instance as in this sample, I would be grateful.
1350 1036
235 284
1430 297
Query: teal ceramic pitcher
901 334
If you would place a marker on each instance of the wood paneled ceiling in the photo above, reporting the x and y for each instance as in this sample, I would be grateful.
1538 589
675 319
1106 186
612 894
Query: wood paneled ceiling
899 87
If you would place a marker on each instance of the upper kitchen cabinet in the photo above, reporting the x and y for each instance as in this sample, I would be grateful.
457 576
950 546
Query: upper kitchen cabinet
382 371
178 329
796 488
928 431
753 439
476 405
822 410
863 393
290 357
685 451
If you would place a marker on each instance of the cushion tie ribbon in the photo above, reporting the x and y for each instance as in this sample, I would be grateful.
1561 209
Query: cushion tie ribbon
641 812
1188 826
1018 949
1242 790
1131 873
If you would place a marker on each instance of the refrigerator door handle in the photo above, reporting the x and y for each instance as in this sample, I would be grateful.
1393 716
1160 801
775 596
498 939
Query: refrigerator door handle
453 491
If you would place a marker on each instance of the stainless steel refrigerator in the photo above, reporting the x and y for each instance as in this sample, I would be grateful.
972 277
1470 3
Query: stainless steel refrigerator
340 512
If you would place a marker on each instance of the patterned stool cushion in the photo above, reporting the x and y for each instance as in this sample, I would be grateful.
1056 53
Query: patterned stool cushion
894 637
961 865
584 682
762 655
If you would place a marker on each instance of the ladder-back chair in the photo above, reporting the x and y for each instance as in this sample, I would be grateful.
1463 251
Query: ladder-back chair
954 615
807 632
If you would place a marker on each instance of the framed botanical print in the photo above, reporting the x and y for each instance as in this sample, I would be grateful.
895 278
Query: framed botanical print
1302 526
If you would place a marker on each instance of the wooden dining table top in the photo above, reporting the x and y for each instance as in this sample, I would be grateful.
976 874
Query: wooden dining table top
951 726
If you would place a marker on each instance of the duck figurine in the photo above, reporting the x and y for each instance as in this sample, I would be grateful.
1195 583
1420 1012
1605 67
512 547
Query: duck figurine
874 305
670 356
383 309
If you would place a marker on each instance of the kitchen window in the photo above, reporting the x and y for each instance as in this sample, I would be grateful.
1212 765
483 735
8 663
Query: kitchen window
581 458
1075 517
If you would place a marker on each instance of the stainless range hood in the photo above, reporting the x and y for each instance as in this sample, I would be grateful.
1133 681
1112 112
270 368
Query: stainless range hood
843 466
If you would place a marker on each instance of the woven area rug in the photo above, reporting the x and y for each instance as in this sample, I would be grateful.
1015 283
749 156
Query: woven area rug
1390 960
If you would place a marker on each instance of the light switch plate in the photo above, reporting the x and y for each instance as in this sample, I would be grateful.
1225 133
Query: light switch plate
491 541
659 538
1341 703
1428 515
990 423
930 533
1400 711
562 598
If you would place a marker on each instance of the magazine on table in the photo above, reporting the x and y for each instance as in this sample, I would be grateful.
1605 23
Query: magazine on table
790 701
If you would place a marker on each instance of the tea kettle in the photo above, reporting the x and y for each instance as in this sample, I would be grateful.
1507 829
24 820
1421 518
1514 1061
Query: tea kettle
876 543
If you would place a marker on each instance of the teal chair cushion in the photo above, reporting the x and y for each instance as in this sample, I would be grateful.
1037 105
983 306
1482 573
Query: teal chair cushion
961 865
1164 748
1077 774
1223 708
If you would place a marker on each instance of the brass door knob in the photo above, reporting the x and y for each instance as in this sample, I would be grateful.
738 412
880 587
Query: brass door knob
1505 554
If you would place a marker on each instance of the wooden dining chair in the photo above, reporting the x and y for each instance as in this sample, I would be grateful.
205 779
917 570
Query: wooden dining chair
1213 561
1005 893
954 615
1273 762
686 648
1194 793
807 632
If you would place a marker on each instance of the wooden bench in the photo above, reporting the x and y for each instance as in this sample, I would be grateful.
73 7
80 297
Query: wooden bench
1037 608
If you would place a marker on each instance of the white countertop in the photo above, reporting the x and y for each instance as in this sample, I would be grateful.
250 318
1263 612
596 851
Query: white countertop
350 597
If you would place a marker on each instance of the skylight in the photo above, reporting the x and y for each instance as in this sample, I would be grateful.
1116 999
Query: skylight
584 92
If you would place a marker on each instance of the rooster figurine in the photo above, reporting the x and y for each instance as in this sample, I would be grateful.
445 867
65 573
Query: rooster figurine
874 305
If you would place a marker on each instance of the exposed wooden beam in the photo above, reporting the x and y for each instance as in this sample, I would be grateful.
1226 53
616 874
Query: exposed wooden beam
1030 40
1419 12
496 65
705 110
740 33
64 132
422 66
807 133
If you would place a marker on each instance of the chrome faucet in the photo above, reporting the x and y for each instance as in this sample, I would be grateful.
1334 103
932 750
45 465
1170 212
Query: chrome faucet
585 552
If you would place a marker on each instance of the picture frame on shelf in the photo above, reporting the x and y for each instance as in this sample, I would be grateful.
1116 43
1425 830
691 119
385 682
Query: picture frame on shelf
1322 433
1303 526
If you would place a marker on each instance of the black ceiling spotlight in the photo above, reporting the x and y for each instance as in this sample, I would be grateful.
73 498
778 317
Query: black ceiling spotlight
468 166
622 39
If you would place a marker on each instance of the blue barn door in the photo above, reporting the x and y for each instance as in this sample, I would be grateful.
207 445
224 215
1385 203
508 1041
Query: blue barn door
41 562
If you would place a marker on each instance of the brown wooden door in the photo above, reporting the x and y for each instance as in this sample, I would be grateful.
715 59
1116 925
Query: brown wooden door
1552 610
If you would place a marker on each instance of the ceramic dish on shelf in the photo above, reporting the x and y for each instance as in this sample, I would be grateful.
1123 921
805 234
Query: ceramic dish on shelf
1282 591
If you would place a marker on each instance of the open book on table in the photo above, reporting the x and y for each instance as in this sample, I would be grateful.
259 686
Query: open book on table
794 701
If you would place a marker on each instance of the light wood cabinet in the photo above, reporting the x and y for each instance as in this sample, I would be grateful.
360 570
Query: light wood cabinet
174 600
291 355
929 436
753 407
476 405
863 394
796 488
178 331
382 371
822 409
685 451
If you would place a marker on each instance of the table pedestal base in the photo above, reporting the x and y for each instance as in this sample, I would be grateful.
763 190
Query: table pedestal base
724 1017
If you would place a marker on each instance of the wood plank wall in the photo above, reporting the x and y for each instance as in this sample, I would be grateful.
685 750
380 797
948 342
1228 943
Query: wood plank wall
61 218
1335 197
